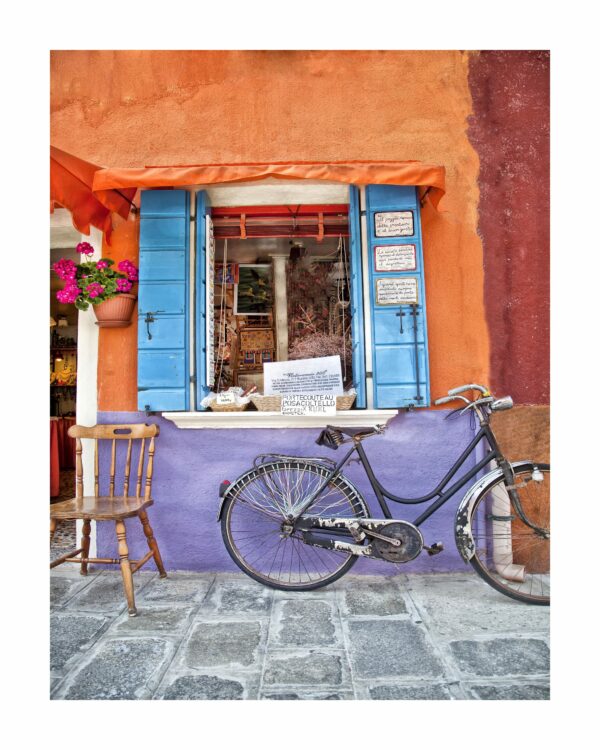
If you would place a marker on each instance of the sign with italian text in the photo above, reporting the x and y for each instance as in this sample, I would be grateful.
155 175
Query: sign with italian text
321 375
394 224
308 404
395 258
403 290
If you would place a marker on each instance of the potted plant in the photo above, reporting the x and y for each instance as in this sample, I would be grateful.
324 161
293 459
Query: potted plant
96 283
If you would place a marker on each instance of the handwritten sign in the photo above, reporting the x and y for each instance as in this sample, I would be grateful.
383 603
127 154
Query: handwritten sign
308 405
225 398
394 224
398 291
395 258
321 375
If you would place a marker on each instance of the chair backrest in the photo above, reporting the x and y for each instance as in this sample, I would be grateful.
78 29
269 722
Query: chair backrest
132 433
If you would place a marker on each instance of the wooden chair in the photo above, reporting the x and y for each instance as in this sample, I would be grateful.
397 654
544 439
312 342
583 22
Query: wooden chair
112 507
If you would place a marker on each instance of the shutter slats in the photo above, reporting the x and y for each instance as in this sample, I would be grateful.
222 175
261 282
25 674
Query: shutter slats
393 338
163 305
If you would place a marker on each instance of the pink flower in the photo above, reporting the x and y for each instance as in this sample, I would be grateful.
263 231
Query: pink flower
123 285
127 267
101 264
94 289
69 293
65 269
85 248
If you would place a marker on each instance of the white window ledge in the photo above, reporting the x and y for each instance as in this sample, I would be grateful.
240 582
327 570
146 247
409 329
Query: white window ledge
197 420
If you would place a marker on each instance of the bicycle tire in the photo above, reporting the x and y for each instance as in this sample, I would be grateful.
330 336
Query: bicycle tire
267 480
528 550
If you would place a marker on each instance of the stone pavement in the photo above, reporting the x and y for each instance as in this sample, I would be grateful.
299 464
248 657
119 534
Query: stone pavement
207 636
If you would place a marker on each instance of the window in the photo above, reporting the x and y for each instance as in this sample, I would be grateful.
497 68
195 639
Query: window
388 362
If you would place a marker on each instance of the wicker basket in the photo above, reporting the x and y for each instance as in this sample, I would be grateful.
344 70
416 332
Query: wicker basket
266 403
273 403
213 406
343 403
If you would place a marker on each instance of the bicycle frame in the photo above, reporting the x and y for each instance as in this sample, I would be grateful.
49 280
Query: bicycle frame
443 495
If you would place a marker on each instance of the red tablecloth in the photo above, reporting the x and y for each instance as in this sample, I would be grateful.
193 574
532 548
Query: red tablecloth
62 450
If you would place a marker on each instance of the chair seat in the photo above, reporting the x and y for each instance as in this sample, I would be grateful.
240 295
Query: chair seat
99 508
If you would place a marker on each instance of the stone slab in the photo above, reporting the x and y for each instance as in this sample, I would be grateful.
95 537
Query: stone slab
502 656
178 587
154 620
203 687
381 597
106 594
305 668
305 623
63 587
231 597
389 648
518 692
70 635
121 669
228 643
463 605
430 692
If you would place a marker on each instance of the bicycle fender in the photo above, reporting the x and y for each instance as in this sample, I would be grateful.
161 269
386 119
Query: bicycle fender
253 469
462 522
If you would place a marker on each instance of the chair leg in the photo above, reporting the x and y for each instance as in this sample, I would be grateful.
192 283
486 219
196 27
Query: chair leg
53 525
152 544
85 545
126 568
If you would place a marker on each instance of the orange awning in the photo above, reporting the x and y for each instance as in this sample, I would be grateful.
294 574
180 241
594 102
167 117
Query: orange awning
71 182
430 179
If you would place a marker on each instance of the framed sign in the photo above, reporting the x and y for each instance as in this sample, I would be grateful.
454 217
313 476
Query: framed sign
394 224
395 258
402 290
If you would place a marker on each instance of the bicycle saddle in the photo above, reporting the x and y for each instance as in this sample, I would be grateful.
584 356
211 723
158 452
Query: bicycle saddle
331 437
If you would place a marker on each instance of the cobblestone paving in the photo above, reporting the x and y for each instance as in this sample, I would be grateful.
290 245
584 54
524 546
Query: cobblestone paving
224 637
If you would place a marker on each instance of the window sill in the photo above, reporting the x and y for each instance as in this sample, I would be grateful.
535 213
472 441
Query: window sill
197 420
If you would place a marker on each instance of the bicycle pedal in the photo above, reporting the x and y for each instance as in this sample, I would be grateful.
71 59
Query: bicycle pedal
435 548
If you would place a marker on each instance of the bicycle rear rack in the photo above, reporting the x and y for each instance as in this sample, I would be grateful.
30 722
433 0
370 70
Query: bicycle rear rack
268 458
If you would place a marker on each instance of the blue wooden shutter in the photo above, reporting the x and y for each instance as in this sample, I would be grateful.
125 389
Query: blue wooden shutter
356 300
163 356
202 301
395 363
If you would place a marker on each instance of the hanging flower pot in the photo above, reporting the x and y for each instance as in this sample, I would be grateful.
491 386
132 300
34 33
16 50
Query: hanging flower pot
115 312
98 284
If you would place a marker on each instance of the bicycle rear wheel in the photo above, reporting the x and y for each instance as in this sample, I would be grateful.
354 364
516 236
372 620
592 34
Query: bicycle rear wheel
510 555
254 518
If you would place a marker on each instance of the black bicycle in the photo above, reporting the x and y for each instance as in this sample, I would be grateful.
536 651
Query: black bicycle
298 523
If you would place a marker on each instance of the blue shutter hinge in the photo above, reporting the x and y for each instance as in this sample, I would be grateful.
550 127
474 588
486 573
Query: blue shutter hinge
369 374
363 212
193 379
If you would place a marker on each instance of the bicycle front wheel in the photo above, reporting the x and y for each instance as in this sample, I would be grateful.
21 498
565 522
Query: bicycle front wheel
512 555
254 530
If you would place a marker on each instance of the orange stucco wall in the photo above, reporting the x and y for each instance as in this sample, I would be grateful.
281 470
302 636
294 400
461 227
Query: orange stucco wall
138 108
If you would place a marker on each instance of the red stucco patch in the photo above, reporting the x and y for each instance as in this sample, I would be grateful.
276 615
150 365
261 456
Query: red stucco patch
510 130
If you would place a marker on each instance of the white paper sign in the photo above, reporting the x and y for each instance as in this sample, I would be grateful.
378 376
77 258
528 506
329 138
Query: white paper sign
399 291
225 398
394 224
308 405
395 258
301 376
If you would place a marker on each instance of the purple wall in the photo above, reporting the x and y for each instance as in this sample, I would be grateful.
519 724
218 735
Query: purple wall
413 455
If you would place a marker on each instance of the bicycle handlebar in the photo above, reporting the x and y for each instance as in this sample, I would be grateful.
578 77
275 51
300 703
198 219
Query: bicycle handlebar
471 387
